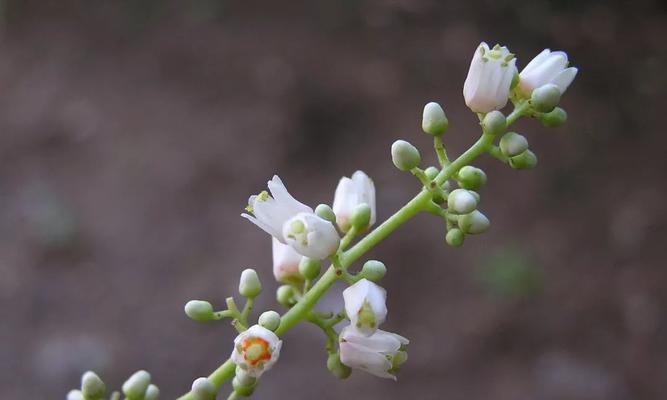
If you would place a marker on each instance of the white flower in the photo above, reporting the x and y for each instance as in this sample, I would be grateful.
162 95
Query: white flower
311 236
380 354
547 67
365 306
285 263
350 193
487 85
256 350
271 212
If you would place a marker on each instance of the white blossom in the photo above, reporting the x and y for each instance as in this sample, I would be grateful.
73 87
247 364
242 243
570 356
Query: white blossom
311 236
487 85
547 67
365 305
380 354
285 262
350 193
256 350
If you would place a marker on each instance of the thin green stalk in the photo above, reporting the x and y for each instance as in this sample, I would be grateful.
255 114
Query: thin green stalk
440 151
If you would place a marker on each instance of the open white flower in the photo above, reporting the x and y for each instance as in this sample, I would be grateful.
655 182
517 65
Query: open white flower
270 212
380 354
285 263
487 85
256 350
350 193
365 305
311 236
547 67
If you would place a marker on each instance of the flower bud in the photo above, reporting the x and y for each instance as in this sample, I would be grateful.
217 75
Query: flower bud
434 120
337 368
203 389
244 378
311 236
404 155
494 123
241 389
461 201
269 320
431 172
152 393
75 395
325 212
474 223
136 385
513 144
285 295
555 118
525 160
361 216
249 284
471 178
545 98
373 270
92 386
309 268
455 237
199 310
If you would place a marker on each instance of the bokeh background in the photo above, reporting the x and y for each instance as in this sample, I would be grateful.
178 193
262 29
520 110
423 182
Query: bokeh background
132 133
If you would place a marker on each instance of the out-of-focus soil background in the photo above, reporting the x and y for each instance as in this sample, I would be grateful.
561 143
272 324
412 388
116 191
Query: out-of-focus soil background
132 133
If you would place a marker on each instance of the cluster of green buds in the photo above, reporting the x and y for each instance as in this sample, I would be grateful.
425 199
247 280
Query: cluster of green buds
136 387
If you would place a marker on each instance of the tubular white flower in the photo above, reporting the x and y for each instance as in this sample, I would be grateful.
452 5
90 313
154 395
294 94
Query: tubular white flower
311 236
351 192
487 85
380 354
285 263
270 212
256 350
365 305
547 67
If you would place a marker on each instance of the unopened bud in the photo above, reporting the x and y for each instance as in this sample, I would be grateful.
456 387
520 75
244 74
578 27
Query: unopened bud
269 320
325 212
434 120
203 389
242 389
373 270
361 216
555 118
404 155
152 393
525 160
337 368
471 178
92 386
136 385
494 123
285 295
75 395
461 201
199 310
431 172
244 379
513 144
455 237
545 98
309 268
474 223
249 284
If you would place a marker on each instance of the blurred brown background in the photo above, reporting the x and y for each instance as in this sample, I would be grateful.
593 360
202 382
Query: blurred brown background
132 133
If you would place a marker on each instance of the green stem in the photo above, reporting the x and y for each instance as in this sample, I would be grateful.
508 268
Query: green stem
347 239
519 111
440 151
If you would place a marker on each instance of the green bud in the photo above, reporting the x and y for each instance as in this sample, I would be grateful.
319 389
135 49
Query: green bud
545 98
474 223
434 120
269 320
244 379
494 123
475 195
337 368
249 284
525 160
461 201
203 389
373 270
136 385
471 178
75 395
361 216
309 268
455 237
325 212
285 295
404 155
92 386
555 118
241 389
152 393
512 144
431 172
199 310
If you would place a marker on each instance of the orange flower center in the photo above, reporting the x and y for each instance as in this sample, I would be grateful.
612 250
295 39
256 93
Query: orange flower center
255 350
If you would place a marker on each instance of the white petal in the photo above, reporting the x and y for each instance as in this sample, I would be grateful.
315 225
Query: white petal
356 356
265 227
319 240
565 78
535 62
285 262
282 196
